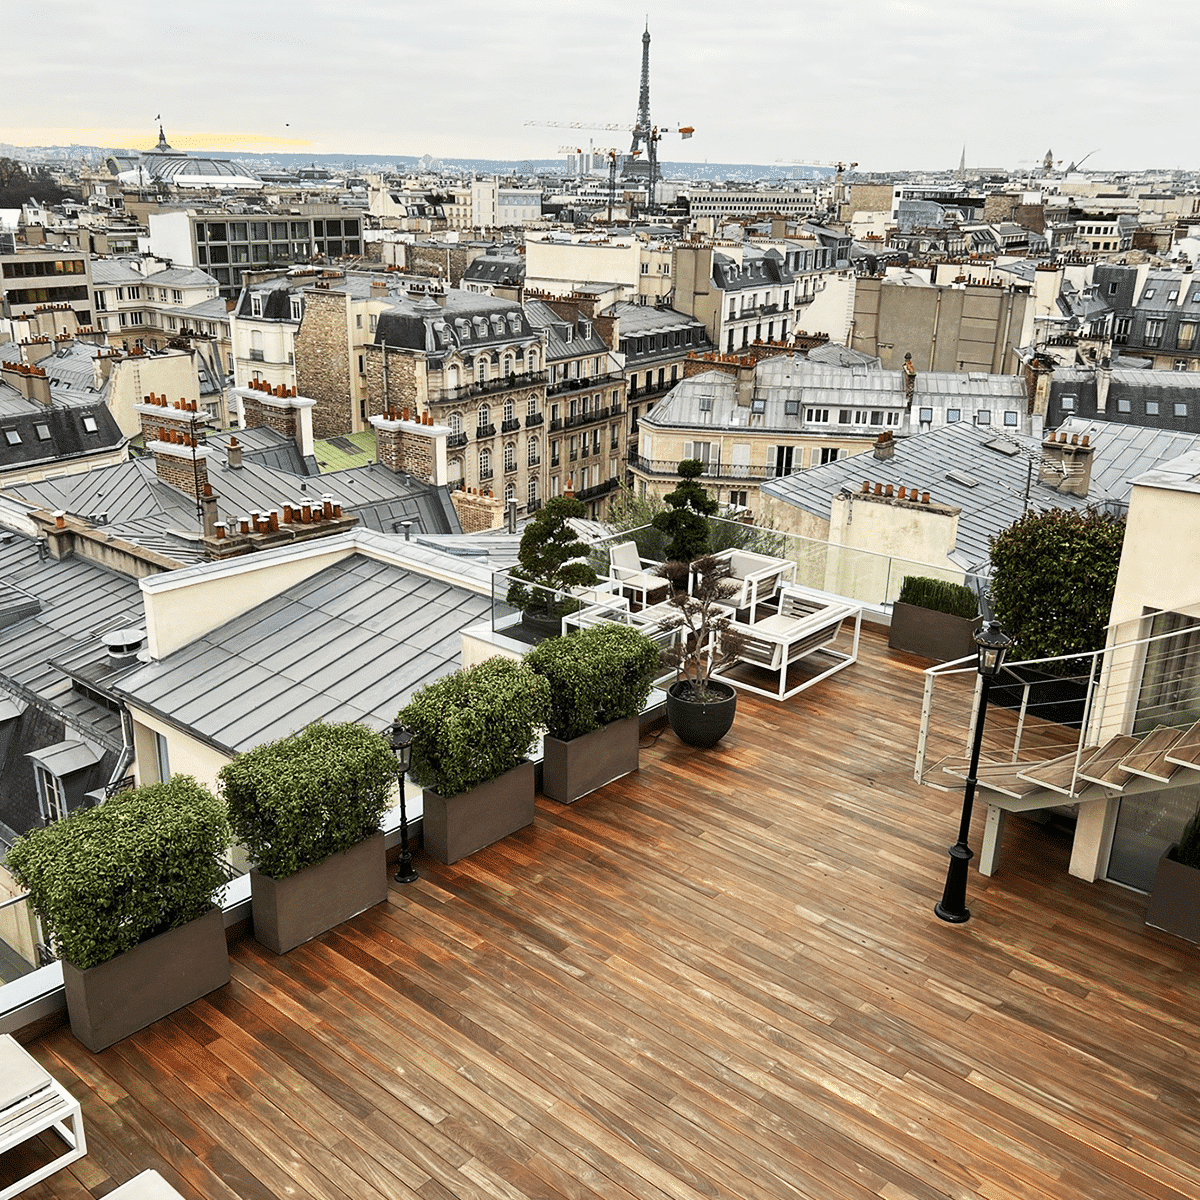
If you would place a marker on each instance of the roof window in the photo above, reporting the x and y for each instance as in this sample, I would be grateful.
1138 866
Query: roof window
12 437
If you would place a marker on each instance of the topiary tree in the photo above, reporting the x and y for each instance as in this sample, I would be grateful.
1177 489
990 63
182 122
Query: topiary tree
551 558
1053 576
688 506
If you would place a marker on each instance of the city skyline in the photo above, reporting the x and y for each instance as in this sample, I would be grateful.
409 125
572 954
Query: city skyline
887 85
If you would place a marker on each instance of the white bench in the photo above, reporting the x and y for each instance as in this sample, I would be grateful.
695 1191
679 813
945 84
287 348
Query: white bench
31 1102
149 1185
806 622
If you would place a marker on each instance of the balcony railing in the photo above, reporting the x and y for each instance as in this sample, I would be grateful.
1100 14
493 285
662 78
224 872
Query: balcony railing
535 460
712 470
510 426
599 489
489 386
484 431
509 467
587 418
486 473
534 419
455 440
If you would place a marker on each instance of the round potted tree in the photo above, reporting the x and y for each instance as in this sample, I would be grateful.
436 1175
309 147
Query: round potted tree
550 560
700 709
307 809
599 679
126 892
472 733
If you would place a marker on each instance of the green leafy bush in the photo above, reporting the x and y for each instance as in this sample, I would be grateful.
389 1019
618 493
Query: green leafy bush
551 558
294 802
475 724
1188 850
107 878
939 595
596 676
684 521
1053 577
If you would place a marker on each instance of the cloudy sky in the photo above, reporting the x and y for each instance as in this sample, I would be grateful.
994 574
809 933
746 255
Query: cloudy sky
886 83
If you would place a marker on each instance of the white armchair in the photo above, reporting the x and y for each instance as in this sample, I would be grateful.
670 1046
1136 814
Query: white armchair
758 576
627 569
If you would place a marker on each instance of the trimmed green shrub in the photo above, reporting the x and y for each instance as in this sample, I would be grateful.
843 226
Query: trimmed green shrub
596 676
939 595
1188 850
107 878
294 802
551 558
475 724
684 521
1053 577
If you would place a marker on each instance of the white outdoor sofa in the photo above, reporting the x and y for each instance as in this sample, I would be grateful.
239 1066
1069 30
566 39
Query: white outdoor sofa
758 577
807 622
31 1102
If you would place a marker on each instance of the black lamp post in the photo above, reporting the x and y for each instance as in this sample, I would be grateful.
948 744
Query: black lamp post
993 643
400 738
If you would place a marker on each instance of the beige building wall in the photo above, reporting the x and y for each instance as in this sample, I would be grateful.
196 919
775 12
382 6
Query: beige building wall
559 267
171 374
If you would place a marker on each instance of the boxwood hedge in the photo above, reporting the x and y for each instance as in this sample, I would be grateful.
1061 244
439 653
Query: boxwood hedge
294 802
106 878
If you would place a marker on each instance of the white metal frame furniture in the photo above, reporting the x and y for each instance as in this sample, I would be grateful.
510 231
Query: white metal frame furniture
31 1102
598 604
806 622
627 568
759 577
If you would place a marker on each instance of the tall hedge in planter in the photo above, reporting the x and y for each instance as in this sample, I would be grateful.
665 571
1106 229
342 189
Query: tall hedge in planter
107 878
474 724
940 595
596 676
1053 577
294 802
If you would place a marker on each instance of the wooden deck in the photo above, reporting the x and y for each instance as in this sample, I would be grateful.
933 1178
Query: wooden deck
721 977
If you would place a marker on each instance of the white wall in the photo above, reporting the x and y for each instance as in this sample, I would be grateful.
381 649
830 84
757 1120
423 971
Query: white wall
171 237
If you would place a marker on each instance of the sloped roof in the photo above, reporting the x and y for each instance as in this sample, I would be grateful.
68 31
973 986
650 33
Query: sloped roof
349 644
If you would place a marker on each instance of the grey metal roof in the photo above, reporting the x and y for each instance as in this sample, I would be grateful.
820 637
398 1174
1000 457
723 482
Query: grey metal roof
181 277
843 356
349 644
65 757
558 348
115 272
638 319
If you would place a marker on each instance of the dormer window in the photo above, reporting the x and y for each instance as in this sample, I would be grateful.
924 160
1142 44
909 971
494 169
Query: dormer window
89 425
297 308
256 306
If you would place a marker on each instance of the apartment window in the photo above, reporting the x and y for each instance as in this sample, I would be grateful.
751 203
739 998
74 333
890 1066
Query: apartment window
135 293
554 453
645 268
43 432
1173 295
297 308
532 452
1124 406
844 416
1180 364
89 425
1112 289
485 463
485 416
1010 419
737 499
358 320
509 411
532 491
52 796
784 456
706 402
829 454
1067 402
818 416
1187 335
162 758
510 457
877 416
1181 409
1154 332
362 366
952 415
1152 408
1148 294
983 417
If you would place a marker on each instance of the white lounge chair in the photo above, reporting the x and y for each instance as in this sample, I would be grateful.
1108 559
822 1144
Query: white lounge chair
627 569
758 576
806 623
31 1102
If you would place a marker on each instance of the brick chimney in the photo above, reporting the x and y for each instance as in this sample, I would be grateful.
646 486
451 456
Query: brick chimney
35 349
1066 466
409 442
885 446
174 434
744 388
476 511
279 408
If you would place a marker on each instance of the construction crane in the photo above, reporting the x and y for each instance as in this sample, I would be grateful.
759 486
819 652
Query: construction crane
651 137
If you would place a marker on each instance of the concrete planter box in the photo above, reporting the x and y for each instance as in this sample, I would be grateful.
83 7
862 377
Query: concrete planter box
455 826
109 1002
931 634
1175 898
288 912
575 768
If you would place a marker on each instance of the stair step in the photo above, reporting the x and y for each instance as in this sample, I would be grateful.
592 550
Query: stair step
1186 751
1004 778
1150 759
1058 774
1106 766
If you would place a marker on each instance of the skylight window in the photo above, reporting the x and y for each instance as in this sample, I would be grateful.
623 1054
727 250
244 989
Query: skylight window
43 432
89 425
12 437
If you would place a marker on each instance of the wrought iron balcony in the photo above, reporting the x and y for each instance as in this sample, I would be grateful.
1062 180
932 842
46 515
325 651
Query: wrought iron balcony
486 472
455 440
712 470
534 419
485 431
510 426
600 489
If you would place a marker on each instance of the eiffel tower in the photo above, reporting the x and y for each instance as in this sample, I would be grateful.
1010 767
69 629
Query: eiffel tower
642 127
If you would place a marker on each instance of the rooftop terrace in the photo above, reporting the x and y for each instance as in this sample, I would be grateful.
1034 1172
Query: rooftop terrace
718 977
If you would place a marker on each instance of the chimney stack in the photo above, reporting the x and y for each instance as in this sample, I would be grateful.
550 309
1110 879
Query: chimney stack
885 446
233 454
744 388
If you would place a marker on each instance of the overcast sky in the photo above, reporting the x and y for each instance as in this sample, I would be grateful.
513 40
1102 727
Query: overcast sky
885 83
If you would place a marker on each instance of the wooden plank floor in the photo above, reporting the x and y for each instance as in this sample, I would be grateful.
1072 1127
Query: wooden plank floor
721 977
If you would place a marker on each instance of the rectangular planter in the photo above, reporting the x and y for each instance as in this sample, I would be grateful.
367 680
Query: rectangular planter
937 635
1175 898
455 826
290 911
109 1002
575 768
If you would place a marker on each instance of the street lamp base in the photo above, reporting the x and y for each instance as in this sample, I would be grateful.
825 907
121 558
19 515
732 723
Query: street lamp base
956 917
406 873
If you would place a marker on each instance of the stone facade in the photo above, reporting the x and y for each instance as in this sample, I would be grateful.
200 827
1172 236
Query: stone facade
478 512
323 355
